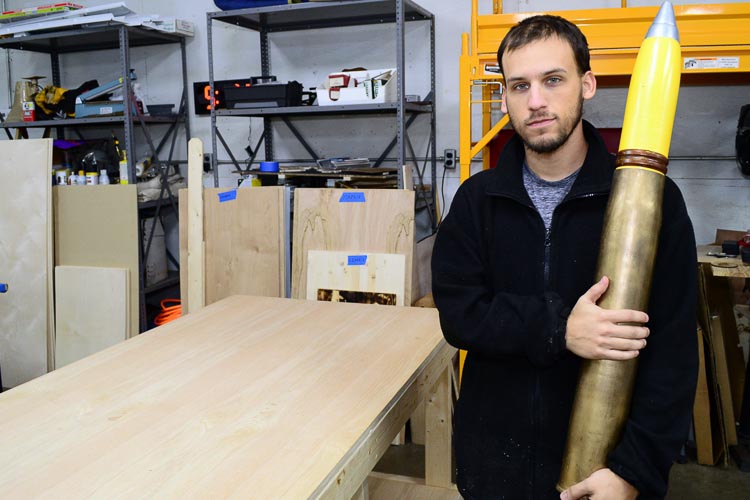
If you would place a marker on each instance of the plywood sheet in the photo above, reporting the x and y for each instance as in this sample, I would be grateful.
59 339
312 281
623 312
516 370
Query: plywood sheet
250 397
26 322
97 226
91 311
196 262
376 273
706 415
244 241
355 221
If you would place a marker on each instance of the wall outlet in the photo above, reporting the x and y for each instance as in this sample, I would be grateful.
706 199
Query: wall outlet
207 162
449 159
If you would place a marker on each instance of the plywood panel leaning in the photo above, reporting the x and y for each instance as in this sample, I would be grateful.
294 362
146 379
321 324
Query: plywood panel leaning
92 311
380 275
244 242
26 323
196 291
98 226
356 221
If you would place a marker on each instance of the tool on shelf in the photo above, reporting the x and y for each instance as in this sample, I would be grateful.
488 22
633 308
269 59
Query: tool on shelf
87 105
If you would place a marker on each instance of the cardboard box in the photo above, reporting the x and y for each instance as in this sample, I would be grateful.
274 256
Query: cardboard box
365 87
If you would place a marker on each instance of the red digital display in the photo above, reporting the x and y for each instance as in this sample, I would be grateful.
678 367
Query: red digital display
203 100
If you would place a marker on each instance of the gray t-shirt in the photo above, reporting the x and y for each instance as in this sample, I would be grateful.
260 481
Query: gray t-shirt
546 195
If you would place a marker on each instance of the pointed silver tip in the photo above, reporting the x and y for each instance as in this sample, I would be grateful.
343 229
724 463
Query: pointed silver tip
665 24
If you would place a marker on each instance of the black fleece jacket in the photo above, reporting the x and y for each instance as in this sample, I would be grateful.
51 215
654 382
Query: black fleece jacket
504 289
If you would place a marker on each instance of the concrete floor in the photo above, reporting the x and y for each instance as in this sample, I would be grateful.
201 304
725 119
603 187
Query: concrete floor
688 481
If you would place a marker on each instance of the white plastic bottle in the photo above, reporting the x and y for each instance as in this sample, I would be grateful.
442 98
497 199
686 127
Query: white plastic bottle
72 179
81 178
103 177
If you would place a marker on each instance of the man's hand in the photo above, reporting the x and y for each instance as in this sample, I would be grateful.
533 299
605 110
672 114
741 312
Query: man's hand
601 485
596 333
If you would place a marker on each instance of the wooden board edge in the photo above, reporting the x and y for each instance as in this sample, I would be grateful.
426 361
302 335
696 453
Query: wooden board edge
50 230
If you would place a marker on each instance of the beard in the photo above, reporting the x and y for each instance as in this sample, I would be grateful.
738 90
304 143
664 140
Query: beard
543 145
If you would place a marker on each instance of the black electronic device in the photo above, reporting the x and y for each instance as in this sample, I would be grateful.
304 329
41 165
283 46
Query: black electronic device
202 94
742 140
730 247
264 95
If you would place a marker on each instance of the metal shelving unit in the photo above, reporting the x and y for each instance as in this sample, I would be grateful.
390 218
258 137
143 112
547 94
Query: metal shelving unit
121 38
114 37
314 15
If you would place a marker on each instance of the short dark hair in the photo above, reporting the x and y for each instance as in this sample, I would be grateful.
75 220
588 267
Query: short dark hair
542 27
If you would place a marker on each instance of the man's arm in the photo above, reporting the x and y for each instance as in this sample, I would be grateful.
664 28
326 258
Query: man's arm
475 318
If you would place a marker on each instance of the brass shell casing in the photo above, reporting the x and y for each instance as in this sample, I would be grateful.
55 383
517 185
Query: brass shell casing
626 257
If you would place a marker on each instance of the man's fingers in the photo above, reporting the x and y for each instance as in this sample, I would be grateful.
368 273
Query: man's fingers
576 491
617 344
594 293
625 316
628 332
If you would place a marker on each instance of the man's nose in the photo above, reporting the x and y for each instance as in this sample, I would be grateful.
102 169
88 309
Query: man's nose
537 99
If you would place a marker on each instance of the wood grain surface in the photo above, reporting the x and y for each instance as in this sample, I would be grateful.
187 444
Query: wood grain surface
26 310
91 311
251 397
368 220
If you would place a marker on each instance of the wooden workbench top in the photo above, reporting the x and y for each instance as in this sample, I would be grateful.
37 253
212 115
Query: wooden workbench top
251 397
722 267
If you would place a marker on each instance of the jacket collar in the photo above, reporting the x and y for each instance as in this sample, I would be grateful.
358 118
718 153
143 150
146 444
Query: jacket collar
595 176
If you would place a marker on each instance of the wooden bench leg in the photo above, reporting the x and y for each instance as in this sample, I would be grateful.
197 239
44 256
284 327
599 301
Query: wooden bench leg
439 425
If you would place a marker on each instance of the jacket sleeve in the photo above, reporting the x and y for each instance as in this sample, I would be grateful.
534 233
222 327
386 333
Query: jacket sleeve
664 390
475 318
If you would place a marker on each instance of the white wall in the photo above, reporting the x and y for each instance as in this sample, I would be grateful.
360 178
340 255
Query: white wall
716 193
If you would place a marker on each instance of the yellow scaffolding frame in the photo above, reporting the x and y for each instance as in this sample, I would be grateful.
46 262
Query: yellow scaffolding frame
713 36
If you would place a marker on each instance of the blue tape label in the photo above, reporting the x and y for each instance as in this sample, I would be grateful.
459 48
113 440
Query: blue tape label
357 260
352 197
228 196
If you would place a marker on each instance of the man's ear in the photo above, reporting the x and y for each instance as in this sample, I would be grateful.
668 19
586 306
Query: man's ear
588 84
503 106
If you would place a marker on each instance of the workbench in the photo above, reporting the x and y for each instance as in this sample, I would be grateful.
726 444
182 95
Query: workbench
723 370
250 397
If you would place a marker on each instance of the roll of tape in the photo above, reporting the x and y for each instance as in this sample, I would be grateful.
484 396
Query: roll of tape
269 166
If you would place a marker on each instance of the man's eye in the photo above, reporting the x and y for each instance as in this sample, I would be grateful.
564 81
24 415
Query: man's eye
521 86
554 80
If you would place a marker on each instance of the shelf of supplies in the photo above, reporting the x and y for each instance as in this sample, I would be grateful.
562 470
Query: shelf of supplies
173 278
72 122
387 107
87 39
320 15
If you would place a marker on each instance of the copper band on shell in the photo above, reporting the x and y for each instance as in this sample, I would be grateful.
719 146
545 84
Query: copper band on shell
642 158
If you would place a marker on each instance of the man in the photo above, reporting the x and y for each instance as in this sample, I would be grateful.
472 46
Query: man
512 268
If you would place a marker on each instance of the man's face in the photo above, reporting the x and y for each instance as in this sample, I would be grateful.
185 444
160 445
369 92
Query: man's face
544 93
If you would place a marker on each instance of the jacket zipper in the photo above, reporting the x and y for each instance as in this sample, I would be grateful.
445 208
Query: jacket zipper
547 252
537 381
